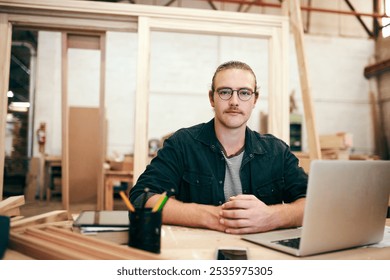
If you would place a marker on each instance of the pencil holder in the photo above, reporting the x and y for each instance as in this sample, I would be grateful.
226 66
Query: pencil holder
4 234
145 229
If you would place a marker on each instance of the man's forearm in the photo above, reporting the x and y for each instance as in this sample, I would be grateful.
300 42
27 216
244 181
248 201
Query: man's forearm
290 214
189 214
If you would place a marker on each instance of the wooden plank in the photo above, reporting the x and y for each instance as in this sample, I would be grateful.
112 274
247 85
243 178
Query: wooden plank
75 244
11 203
297 28
72 22
53 216
5 60
38 248
12 212
124 251
51 242
90 42
142 97
65 122
278 98
102 124
84 156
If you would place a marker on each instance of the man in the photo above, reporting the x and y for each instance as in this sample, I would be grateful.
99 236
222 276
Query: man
225 176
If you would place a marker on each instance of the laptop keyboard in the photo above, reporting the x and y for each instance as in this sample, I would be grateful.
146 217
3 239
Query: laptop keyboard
293 242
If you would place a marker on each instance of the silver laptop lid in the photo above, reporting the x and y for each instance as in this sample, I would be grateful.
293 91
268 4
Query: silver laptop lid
346 205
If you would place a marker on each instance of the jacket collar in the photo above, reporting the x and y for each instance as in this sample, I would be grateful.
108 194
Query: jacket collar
253 142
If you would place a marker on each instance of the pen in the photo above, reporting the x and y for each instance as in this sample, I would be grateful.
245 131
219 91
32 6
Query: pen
127 201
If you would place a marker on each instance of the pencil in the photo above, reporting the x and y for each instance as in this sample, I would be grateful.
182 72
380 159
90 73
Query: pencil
163 203
160 202
127 201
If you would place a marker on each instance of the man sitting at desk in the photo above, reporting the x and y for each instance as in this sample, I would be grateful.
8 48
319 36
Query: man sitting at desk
225 176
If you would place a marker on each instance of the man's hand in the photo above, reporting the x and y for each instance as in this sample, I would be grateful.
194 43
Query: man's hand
247 214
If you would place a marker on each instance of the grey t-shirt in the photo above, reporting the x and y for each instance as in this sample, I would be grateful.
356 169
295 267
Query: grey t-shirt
232 184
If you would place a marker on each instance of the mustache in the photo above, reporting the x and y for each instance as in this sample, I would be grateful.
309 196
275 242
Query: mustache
233 110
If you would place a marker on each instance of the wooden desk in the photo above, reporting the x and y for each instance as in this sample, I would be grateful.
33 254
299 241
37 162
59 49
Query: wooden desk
190 243
111 177
186 243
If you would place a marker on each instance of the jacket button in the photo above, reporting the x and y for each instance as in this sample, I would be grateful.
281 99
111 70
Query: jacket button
220 182
251 155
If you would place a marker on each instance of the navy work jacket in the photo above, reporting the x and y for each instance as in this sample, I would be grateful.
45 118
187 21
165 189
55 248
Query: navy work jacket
191 162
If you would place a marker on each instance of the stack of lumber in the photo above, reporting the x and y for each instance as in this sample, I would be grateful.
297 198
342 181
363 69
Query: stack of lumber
336 146
51 236
10 206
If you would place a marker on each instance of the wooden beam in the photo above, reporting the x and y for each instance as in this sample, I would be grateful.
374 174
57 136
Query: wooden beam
5 60
297 28
11 203
53 216
142 98
377 69
51 242
359 18
14 212
102 123
65 122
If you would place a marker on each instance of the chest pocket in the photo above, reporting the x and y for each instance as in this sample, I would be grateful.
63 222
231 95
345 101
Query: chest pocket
197 188
271 192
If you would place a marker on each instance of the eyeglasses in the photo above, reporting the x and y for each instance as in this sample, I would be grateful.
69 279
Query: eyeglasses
243 94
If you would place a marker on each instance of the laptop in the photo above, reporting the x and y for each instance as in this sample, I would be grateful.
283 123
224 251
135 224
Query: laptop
346 206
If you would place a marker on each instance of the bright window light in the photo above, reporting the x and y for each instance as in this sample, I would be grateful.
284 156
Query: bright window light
19 106
386 21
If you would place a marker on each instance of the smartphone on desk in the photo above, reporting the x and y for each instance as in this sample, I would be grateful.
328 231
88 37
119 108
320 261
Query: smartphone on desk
232 253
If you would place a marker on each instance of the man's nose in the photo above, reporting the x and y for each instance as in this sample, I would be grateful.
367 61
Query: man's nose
234 99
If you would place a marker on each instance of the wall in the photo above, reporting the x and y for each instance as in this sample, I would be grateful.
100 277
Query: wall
383 53
181 69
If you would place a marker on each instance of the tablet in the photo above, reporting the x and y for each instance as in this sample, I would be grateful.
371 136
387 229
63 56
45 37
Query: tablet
118 218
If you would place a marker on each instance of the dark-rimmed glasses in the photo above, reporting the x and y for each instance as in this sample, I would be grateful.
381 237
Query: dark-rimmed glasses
243 94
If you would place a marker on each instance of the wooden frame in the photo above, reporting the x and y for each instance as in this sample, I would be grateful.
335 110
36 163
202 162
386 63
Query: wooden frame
51 236
95 41
81 16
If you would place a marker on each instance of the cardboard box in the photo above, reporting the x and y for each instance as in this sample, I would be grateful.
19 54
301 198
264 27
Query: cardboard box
304 160
339 140
124 165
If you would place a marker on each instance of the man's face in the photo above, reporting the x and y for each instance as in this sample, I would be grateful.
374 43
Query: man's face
233 113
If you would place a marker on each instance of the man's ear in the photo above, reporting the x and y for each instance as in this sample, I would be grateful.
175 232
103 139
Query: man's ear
256 98
211 98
